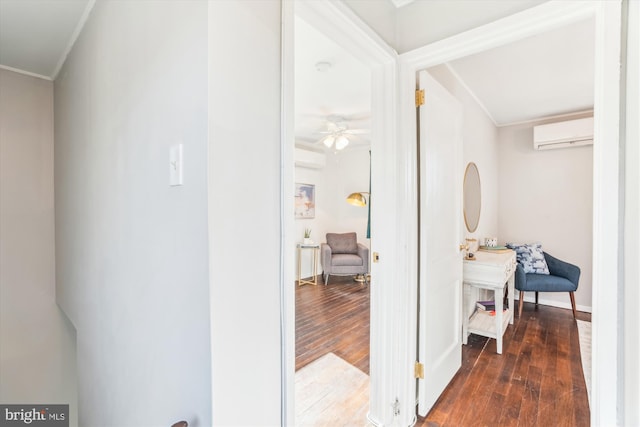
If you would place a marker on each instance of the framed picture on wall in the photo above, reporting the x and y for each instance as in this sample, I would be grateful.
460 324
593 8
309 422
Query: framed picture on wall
305 200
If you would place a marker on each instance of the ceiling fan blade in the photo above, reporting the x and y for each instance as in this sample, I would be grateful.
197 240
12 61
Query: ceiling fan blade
357 131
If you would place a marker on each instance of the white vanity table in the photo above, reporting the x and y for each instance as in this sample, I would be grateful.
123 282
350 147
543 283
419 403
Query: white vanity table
492 271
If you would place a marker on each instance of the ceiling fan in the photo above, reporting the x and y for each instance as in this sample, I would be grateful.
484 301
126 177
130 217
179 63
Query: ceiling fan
339 133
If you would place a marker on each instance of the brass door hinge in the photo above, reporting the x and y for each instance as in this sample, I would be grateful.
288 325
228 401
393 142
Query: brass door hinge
419 370
419 97
376 257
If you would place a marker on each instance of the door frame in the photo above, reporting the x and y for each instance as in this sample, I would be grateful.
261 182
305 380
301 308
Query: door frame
339 23
547 16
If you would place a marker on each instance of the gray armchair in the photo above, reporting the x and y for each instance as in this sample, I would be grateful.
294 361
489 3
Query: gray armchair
562 277
342 255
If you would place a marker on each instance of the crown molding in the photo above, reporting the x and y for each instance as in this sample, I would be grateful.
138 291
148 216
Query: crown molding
24 72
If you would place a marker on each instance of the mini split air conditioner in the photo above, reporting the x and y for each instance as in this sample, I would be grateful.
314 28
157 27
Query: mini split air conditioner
572 133
309 159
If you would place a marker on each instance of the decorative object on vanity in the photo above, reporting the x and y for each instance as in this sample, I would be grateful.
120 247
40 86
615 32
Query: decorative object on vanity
472 245
560 276
305 201
342 255
495 249
491 242
472 200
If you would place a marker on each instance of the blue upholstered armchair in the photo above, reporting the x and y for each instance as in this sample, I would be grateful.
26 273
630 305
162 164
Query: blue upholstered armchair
342 255
562 277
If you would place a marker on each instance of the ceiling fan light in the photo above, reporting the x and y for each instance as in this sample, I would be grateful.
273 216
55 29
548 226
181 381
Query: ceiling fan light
341 142
328 141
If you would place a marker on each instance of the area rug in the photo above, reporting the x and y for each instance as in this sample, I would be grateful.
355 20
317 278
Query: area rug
584 333
331 392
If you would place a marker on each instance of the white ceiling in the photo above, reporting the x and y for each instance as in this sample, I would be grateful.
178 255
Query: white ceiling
400 3
36 35
343 90
545 75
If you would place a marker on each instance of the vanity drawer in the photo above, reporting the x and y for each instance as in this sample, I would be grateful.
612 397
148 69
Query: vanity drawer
489 268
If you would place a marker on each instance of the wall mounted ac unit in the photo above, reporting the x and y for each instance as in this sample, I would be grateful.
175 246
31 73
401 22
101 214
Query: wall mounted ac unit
572 133
309 159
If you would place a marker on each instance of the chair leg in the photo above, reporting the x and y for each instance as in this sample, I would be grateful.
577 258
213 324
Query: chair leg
573 303
520 304
536 298
326 279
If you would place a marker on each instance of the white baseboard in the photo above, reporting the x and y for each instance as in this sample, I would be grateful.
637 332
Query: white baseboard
552 303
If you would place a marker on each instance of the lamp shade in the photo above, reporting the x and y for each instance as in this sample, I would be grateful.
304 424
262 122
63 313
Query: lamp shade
357 199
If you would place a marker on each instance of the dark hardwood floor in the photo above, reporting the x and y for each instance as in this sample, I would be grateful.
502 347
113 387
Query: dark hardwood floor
333 319
537 381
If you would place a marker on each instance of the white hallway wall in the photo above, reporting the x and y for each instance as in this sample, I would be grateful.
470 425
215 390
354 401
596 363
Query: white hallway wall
37 341
631 333
547 197
345 172
244 160
131 251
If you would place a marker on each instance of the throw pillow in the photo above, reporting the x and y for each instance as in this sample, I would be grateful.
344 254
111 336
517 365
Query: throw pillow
530 257
346 243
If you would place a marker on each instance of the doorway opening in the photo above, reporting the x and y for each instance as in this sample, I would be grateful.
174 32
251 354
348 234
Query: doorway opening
332 161
556 209
606 114
340 25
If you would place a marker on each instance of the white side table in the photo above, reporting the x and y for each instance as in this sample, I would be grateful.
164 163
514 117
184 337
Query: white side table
315 248
491 271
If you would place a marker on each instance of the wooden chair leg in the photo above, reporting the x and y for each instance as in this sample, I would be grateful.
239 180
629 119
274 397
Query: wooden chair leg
520 304
573 303
536 298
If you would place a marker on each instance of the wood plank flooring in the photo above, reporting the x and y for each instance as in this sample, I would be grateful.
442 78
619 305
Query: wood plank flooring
333 319
537 381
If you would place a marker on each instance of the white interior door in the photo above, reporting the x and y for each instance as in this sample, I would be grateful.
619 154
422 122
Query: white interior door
440 269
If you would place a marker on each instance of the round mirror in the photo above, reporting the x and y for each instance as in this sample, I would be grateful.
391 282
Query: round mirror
472 200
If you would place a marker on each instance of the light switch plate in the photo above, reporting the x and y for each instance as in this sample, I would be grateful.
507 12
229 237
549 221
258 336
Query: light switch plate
175 165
